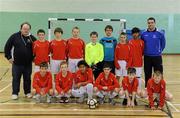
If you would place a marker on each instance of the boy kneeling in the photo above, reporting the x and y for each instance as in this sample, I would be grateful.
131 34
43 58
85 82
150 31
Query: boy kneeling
130 88
156 91
83 82
42 83
64 81
106 85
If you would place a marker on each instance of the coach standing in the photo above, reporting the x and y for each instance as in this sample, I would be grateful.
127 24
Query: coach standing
154 42
18 50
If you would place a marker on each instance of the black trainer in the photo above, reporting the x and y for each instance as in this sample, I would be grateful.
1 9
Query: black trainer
101 100
111 101
135 102
124 102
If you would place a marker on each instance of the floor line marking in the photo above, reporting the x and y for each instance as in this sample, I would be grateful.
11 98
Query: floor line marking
5 87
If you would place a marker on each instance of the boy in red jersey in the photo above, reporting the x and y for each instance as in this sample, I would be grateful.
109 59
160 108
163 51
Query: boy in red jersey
76 49
83 82
64 81
156 91
123 56
130 88
40 49
42 83
58 48
137 46
106 85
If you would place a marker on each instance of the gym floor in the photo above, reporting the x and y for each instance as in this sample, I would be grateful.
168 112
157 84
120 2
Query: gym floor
27 108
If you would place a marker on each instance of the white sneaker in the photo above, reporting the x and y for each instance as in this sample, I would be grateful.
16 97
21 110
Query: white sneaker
14 97
88 101
28 95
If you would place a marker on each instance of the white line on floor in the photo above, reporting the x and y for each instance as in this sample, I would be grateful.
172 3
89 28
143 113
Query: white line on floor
5 87
173 106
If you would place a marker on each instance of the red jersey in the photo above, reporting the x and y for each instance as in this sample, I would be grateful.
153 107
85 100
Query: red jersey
64 83
84 77
111 82
130 87
40 82
58 49
123 52
160 88
137 46
75 48
41 51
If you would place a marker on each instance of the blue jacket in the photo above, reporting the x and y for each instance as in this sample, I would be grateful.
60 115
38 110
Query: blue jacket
154 42
109 44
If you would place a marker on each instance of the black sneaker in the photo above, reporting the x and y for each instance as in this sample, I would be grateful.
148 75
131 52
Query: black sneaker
111 101
101 100
61 100
66 100
135 102
124 102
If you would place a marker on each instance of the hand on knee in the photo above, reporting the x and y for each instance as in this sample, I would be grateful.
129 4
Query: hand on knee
51 92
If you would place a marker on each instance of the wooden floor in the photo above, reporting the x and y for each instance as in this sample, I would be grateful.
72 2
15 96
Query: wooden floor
27 108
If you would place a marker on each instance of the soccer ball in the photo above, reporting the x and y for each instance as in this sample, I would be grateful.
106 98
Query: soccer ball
92 103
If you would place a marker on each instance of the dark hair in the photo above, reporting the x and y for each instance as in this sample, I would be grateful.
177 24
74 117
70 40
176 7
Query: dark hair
123 33
151 18
108 27
75 28
94 33
131 71
107 65
27 23
59 30
135 30
40 31
43 64
82 62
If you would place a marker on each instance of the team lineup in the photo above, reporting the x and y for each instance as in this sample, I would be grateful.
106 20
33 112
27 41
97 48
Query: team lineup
97 70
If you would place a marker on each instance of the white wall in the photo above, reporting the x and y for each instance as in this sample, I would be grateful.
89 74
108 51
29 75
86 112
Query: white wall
91 6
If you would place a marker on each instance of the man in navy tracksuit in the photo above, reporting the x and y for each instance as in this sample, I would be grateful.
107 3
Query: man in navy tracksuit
109 44
154 42
18 51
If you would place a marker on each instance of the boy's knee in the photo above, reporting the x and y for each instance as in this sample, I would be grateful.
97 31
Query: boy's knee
90 86
95 89
33 91
116 90
121 92
169 97
51 92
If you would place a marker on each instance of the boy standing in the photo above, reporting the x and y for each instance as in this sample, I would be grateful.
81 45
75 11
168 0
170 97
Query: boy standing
40 49
58 48
123 56
109 44
94 54
137 48
76 49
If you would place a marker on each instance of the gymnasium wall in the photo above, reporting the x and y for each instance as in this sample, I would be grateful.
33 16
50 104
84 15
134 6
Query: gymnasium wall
37 12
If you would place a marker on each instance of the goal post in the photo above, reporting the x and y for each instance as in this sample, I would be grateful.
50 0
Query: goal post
52 23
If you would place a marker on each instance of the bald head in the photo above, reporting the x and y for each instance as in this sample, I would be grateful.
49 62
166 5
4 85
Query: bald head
25 28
